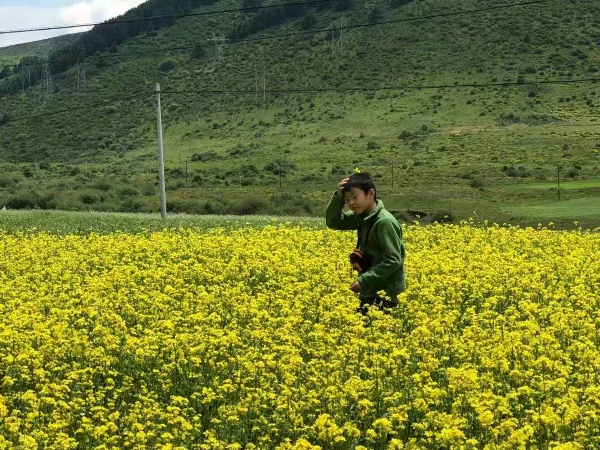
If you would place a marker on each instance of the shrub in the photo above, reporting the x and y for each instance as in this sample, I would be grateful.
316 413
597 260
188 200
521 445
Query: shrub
508 118
476 183
166 65
6 182
372 145
308 21
176 172
442 217
128 191
343 5
280 166
88 198
250 206
102 185
206 156
520 172
22 201
198 52
240 150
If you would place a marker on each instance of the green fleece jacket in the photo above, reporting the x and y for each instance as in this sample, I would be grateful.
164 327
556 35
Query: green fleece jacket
384 244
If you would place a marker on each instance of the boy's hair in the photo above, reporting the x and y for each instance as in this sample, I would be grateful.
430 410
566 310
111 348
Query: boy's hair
361 180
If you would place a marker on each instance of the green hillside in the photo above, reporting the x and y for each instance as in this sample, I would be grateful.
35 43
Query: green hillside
272 125
13 54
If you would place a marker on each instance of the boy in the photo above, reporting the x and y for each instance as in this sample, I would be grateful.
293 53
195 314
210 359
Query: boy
380 256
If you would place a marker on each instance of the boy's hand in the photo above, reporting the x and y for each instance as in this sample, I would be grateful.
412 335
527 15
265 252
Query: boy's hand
355 287
341 186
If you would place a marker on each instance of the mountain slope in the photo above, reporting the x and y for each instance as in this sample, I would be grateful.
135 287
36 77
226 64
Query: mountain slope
452 151
12 54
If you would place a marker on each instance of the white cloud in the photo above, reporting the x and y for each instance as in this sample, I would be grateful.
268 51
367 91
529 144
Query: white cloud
25 17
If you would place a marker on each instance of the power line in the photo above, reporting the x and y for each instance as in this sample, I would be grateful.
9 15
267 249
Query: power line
171 16
388 88
316 90
323 30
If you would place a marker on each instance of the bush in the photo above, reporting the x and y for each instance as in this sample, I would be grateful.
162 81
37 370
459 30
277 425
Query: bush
206 156
89 198
198 52
508 118
22 201
166 65
520 172
128 191
335 170
280 166
442 217
376 15
476 183
176 172
6 182
240 150
308 21
102 185
256 205
372 145
343 5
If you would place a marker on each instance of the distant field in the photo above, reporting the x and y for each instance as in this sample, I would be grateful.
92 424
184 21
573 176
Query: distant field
83 223
575 209
568 185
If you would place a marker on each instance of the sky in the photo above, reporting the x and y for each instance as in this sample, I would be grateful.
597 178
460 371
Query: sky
25 14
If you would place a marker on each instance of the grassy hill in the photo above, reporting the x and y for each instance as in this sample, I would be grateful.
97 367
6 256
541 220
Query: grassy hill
13 54
273 125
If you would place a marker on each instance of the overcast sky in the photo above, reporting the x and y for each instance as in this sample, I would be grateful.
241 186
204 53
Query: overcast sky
25 14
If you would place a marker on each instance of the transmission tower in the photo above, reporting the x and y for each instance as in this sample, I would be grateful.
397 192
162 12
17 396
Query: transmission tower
46 71
337 36
218 41
81 77
4 110
25 73
261 85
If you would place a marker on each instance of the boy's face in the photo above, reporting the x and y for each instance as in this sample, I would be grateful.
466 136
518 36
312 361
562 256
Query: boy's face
358 201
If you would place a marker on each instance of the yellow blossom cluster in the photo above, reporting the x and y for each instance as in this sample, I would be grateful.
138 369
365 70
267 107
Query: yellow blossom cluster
249 339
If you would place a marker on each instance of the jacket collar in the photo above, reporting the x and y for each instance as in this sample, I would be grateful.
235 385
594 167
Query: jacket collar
375 211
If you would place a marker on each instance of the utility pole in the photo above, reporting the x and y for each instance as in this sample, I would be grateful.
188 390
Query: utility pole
558 180
161 164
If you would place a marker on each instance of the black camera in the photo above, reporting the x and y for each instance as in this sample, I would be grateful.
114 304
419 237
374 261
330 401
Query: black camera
360 261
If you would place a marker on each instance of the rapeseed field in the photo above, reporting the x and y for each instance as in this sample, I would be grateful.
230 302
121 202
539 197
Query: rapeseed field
248 339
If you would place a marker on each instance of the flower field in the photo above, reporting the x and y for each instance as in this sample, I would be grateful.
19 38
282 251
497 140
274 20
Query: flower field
247 339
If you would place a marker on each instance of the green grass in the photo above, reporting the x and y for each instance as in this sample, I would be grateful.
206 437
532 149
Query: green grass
63 222
566 185
583 210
